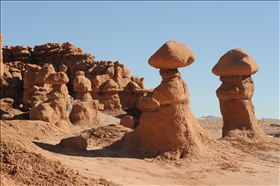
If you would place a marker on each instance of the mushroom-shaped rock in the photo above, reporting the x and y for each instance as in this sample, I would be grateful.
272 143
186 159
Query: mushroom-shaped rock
172 54
81 83
235 93
235 62
167 127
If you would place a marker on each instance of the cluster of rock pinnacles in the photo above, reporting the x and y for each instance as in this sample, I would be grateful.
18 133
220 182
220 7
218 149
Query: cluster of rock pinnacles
166 124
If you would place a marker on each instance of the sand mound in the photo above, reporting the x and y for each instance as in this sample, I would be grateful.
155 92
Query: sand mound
22 163
29 168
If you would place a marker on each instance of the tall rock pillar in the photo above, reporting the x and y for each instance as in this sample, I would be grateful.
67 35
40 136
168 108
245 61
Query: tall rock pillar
235 94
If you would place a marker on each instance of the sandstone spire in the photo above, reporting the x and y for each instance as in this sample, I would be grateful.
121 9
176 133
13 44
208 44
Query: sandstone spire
167 124
235 68
84 110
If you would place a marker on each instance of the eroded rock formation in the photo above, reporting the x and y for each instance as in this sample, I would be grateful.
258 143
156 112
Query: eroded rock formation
84 110
49 99
21 61
167 125
11 81
235 94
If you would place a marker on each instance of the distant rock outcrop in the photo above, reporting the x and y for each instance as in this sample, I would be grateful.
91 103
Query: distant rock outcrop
235 94
111 83
210 117
167 125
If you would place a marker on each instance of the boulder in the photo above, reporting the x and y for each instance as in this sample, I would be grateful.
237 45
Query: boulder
78 143
128 121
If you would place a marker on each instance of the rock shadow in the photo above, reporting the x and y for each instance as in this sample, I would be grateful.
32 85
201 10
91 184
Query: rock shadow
96 153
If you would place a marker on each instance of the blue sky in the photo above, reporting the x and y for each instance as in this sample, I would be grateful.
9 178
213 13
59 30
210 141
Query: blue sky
132 31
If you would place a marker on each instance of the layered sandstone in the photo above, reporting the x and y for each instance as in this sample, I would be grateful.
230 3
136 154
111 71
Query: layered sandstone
235 94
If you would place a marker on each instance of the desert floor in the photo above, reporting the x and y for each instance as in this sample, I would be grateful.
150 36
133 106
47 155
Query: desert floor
30 156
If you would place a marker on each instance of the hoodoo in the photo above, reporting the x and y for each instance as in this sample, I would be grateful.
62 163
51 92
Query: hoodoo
167 125
235 94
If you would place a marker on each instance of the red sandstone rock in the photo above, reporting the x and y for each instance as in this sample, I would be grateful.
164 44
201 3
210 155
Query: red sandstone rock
81 83
171 91
76 143
43 73
235 62
122 75
84 109
128 121
170 127
58 78
148 104
98 81
29 81
139 81
84 113
51 104
171 55
235 93
11 81
110 100
66 58
110 86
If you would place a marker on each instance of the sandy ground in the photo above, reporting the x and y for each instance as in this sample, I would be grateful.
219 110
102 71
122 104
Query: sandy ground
29 149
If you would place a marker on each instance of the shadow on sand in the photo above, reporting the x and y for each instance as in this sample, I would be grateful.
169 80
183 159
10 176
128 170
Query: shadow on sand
103 152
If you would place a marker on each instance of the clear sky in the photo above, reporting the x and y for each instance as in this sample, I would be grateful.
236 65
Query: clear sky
132 31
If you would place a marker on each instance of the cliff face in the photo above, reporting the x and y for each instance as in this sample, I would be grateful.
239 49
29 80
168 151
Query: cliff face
111 82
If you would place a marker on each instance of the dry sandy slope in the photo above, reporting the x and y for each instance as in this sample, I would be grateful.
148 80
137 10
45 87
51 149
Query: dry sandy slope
37 140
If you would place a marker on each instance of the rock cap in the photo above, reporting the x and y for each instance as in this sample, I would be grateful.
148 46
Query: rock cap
235 62
58 78
171 55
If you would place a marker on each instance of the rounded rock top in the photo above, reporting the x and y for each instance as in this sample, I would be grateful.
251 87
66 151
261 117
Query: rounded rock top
171 55
235 62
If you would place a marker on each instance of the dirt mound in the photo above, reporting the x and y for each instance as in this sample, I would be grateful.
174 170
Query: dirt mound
104 135
29 168
240 140
23 164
